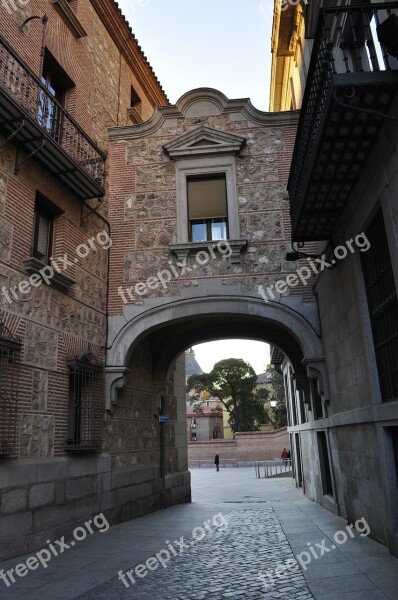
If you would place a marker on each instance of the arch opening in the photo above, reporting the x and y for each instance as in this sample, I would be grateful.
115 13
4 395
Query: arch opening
147 428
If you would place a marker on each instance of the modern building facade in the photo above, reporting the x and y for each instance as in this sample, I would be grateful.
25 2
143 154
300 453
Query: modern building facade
68 71
343 188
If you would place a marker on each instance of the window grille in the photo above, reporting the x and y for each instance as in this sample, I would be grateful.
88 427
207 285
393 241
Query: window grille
86 405
10 354
383 307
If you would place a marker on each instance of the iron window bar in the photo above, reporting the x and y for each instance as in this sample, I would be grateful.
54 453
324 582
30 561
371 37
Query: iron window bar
86 404
10 357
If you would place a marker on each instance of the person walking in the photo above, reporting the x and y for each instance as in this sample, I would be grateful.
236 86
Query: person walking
217 462
284 457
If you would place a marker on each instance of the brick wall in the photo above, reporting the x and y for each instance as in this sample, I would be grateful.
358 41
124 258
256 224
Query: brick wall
261 445
42 491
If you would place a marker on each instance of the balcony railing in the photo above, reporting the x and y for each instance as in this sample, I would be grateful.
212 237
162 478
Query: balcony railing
352 81
32 117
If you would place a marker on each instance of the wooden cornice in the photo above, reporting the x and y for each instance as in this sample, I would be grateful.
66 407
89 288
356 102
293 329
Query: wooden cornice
127 44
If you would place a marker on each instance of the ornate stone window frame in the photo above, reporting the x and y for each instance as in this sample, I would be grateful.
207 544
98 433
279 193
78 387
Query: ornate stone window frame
206 151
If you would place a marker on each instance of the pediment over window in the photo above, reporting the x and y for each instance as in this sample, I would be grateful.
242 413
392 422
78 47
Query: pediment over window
204 141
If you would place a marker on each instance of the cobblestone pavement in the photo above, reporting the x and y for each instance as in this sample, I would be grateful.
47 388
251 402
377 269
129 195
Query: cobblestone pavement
269 522
224 564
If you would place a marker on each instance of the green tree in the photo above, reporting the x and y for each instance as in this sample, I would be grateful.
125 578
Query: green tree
277 415
233 381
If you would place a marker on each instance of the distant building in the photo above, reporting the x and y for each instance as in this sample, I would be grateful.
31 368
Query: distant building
204 420
206 425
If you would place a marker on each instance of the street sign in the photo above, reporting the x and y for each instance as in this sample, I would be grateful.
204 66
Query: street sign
163 419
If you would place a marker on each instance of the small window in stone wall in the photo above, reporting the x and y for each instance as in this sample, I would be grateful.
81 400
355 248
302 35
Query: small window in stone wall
86 404
10 352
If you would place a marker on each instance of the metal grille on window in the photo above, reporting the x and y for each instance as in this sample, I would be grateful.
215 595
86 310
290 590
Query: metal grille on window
10 352
383 307
86 404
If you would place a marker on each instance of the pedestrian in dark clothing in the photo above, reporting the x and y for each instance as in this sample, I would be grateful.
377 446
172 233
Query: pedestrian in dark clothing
217 462
289 462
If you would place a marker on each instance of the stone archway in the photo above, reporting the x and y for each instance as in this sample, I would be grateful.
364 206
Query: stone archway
146 380
212 317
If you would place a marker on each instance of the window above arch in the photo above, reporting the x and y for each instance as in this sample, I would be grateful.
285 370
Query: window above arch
207 200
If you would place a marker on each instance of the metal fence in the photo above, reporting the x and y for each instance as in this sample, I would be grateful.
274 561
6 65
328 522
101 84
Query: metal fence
273 468
224 463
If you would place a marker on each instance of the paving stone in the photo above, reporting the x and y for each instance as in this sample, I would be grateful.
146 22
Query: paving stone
252 541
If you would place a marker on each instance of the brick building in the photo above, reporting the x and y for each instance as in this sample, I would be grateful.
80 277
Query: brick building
68 71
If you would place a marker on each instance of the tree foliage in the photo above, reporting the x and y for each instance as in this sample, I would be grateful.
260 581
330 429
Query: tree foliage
233 381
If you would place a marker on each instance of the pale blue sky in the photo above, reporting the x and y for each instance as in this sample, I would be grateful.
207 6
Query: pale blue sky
224 44
256 353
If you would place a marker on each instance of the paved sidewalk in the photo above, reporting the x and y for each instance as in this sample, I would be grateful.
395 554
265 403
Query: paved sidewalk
214 549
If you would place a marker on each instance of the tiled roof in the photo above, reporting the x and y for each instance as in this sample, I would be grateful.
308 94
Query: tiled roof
139 47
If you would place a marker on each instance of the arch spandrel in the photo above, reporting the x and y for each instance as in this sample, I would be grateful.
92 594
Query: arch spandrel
173 327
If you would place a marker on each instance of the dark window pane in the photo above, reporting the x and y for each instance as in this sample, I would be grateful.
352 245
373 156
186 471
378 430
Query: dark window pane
42 234
383 306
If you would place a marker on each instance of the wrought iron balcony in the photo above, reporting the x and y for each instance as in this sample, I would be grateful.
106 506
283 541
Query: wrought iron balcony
351 84
31 117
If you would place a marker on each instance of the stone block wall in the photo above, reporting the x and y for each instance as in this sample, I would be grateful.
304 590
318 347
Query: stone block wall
47 499
144 205
360 425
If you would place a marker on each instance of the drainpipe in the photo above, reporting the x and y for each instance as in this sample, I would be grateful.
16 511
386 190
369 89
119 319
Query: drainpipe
162 452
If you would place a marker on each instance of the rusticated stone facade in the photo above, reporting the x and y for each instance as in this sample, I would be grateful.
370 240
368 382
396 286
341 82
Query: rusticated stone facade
145 214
